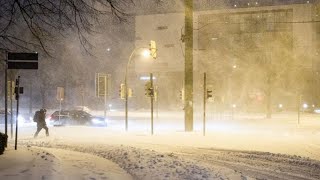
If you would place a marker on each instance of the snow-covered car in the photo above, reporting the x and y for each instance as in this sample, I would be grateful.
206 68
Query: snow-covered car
75 117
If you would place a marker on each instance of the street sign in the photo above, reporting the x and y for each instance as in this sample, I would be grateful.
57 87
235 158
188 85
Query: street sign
103 84
22 60
60 93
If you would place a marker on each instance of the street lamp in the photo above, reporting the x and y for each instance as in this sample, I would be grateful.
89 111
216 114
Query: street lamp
151 51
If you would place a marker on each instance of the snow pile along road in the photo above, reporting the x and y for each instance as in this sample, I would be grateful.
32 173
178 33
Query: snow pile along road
43 163
197 163
144 164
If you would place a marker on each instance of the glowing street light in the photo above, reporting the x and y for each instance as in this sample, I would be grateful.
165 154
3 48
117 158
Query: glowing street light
152 52
146 53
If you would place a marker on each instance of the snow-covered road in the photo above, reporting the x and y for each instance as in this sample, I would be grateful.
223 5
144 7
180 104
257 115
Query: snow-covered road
239 149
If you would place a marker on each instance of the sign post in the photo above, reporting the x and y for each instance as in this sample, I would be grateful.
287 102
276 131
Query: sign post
204 102
60 97
18 91
10 95
17 61
102 88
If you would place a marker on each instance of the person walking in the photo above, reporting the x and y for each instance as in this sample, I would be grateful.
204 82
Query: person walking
40 119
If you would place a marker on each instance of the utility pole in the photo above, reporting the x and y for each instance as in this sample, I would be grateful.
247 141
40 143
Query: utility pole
204 102
188 72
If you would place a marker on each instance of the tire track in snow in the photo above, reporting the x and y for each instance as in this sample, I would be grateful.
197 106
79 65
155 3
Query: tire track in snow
258 164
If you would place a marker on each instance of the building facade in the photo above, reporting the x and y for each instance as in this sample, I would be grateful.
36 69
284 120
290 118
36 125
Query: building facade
247 50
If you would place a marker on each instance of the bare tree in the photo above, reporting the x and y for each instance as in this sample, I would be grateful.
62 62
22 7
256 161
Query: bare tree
31 24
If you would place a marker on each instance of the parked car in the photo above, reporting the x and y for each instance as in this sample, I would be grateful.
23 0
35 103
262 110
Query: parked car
75 117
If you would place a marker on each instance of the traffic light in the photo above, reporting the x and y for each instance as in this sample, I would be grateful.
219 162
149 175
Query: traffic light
181 94
209 94
148 89
153 49
130 92
122 91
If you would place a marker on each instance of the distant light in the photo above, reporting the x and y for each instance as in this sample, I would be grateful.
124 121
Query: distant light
110 105
308 2
214 38
313 105
146 53
305 105
145 78
234 105
280 106
235 5
108 49
234 66
256 3
248 4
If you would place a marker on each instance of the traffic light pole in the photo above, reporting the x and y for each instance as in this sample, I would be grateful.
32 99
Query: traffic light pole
151 97
17 98
204 102
126 87
105 97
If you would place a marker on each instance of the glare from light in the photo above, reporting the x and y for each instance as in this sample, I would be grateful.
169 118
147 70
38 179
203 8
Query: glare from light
145 78
280 106
110 105
21 119
108 49
146 53
305 106
313 105
234 66
234 105
235 5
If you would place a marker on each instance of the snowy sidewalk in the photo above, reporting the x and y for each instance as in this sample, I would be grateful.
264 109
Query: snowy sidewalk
44 163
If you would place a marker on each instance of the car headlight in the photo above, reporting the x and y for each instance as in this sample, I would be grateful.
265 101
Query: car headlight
21 119
98 121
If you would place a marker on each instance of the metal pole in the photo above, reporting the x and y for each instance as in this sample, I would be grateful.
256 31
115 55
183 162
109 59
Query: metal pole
126 87
298 107
6 96
105 97
126 98
17 97
60 102
30 99
204 102
157 101
11 114
151 97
